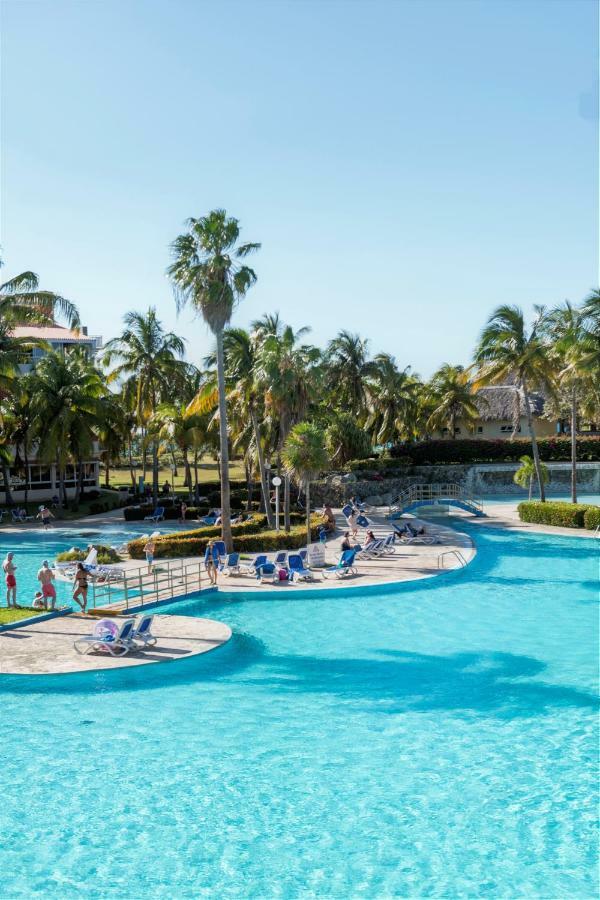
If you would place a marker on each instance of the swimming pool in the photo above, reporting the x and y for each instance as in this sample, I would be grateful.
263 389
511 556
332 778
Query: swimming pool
32 546
439 739
518 498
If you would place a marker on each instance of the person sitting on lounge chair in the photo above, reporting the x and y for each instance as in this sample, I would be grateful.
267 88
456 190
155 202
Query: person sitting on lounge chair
347 543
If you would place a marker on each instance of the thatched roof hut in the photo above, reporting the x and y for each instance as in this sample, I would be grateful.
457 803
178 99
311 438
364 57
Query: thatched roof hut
504 403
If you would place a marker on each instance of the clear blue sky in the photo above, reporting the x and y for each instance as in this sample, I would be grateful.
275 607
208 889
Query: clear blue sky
407 165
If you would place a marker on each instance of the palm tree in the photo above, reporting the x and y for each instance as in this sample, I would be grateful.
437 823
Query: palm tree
287 374
207 274
67 405
508 352
345 439
153 358
22 301
392 400
571 346
183 430
527 472
304 456
348 367
452 398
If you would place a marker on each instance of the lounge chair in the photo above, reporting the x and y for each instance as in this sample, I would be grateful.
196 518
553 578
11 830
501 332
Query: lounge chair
208 520
303 554
344 567
370 550
220 549
267 572
281 558
143 631
105 638
18 516
297 570
230 564
411 536
251 567
157 516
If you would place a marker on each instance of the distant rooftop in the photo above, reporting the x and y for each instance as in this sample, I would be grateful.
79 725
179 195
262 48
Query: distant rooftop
54 333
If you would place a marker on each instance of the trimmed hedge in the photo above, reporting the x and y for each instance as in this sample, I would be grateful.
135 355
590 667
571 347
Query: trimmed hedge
554 449
248 537
554 512
591 518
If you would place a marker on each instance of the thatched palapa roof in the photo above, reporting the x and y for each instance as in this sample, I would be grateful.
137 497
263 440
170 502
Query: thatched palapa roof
497 403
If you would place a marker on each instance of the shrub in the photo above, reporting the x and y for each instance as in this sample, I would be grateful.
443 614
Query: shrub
554 449
377 464
591 518
553 512
105 555
248 537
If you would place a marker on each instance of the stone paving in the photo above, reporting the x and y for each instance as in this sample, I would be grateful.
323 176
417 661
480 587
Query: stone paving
46 648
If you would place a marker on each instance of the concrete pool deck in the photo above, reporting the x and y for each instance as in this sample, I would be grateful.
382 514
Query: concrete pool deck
46 648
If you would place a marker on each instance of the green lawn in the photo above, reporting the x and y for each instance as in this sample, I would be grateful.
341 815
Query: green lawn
208 470
15 615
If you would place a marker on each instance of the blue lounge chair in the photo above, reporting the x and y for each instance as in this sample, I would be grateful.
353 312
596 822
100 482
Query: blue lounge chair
347 510
267 572
230 564
157 516
143 632
303 554
344 567
297 570
209 520
251 567
281 558
220 548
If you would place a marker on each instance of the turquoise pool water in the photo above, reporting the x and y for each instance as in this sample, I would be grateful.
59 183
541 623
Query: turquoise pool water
438 740
516 498
32 546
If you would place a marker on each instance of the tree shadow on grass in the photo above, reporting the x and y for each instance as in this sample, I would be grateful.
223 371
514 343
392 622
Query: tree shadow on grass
487 683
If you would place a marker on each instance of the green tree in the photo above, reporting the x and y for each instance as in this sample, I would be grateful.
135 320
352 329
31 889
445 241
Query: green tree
304 456
509 352
348 368
151 357
287 372
527 472
207 274
67 405
392 400
345 439
570 342
452 399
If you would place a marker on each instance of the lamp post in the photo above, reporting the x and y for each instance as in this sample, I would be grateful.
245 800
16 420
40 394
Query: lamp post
276 482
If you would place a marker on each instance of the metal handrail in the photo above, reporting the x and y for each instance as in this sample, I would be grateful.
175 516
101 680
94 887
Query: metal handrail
139 587
456 553
435 492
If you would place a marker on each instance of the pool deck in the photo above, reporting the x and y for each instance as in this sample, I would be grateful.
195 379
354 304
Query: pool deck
46 648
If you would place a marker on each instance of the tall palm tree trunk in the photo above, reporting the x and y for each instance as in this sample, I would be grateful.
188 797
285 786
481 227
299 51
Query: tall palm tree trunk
286 503
574 445
534 443
155 473
26 464
224 443
308 534
130 460
188 474
10 500
264 484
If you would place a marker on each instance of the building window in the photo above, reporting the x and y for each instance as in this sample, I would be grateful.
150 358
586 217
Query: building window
506 429
39 477
480 429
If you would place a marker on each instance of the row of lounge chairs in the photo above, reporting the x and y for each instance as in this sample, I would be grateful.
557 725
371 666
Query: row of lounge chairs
18 516
266 570
117 639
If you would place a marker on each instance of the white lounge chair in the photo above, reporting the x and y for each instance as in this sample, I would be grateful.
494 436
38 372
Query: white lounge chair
105 638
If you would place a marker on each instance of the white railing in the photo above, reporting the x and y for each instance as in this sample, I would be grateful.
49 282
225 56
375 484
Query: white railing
138 587
456 553
437 493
